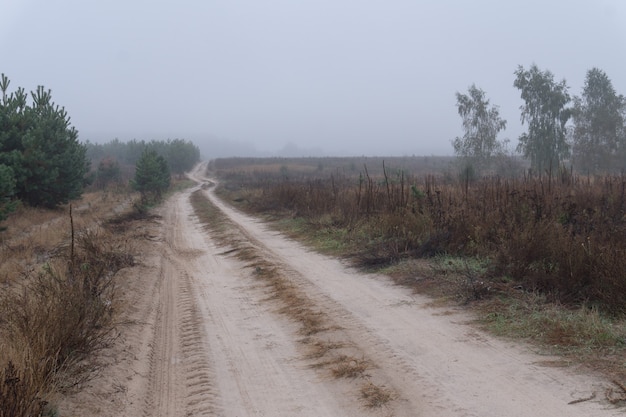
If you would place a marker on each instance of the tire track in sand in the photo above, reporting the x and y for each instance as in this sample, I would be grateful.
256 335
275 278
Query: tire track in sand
181 378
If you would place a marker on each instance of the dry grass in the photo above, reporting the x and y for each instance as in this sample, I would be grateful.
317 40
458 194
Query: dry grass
58 295
561 236
56 319
349 367
33 234
321 348
57 300
24 388
375 396
616 395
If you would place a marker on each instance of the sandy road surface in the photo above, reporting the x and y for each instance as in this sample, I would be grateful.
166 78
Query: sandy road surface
211 342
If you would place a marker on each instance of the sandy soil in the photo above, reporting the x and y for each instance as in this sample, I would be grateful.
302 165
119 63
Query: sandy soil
208 341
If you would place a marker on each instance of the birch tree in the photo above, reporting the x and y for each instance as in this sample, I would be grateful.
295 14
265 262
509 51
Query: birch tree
598 135
481 125
546 113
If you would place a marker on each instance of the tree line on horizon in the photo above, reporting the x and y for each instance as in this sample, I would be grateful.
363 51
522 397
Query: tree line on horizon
588 132
153 163
180 155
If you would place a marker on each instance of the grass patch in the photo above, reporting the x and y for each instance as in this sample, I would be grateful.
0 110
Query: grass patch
321 348
210 216
582 334
323 236
375 396
349 367
572 331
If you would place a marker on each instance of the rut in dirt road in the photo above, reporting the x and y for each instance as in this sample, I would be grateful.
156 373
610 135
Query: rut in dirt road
181 380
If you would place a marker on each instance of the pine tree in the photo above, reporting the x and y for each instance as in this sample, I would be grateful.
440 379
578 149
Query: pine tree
7 190
599 125
181 155
108 172
41 147
152 176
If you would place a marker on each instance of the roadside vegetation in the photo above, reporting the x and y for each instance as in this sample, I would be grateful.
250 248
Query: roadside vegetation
64 235
542 258
58 303
60 299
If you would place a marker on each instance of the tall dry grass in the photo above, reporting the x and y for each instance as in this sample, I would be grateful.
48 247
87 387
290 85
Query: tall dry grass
32 234
58 301
55 319
563 236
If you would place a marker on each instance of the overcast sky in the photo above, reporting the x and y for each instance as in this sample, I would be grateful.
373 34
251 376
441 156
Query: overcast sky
359 77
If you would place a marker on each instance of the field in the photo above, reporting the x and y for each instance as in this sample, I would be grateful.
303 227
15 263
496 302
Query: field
563 236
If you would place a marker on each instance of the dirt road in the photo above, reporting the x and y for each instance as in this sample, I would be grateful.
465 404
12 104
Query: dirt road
212 341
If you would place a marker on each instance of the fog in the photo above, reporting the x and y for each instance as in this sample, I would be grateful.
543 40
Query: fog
324 77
